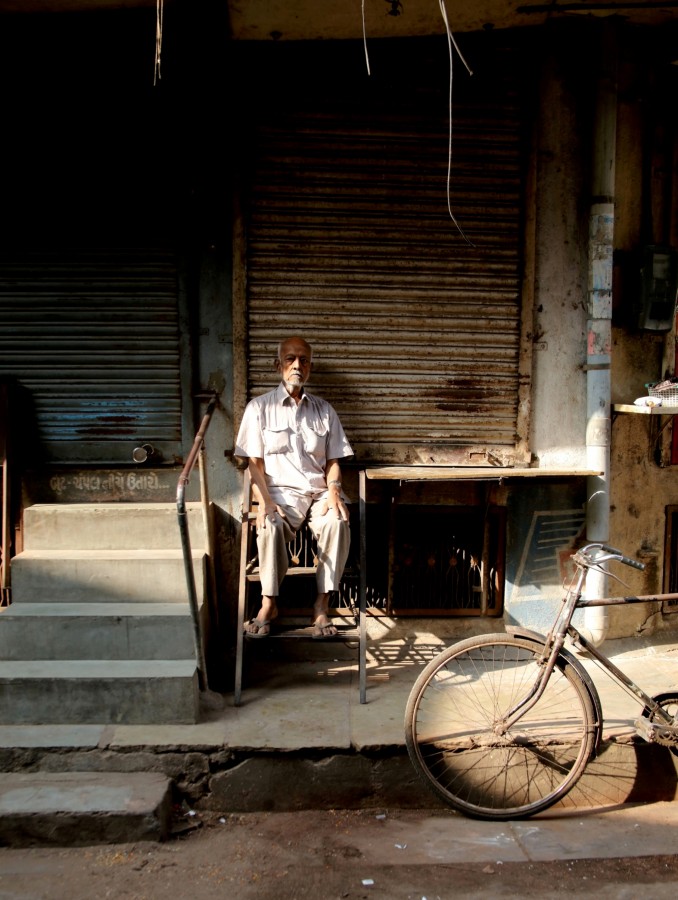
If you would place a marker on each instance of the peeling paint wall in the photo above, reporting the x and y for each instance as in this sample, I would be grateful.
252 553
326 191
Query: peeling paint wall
558 436
641 487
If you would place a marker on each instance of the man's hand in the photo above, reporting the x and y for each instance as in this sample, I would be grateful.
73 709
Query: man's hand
334 501
339 507
268 513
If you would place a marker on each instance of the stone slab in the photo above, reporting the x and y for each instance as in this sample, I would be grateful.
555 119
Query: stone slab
77 808
52 631
630 831
104 576
72 736
80 692
110 526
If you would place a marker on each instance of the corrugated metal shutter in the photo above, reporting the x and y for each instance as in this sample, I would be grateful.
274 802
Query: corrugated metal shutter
94 338
416 327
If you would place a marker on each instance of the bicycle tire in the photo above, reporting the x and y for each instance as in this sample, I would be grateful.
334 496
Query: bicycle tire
450 720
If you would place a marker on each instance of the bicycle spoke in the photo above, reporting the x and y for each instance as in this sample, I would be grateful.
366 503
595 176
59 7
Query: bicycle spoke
459 742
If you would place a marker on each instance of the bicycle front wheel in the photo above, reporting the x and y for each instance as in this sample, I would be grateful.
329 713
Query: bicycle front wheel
457 741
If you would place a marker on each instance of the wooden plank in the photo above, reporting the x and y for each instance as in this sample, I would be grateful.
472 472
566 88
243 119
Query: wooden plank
645 410
464 473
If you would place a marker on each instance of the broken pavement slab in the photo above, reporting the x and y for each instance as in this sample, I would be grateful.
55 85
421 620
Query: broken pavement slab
82 808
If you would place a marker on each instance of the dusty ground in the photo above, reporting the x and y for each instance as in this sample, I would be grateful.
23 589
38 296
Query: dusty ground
280 856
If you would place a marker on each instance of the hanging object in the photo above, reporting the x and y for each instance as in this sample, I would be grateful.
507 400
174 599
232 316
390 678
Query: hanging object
367 58
450 43
396 8
159 11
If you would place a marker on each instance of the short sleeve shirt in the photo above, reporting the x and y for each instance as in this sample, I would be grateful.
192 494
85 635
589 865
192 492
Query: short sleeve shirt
295 441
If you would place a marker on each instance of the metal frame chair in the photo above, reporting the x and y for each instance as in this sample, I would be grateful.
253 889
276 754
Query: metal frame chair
302 565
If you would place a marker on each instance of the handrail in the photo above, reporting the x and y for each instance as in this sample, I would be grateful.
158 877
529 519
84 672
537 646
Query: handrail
197 450
5 499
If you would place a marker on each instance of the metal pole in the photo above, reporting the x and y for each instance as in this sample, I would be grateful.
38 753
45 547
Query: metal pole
599 324
362 662
186 542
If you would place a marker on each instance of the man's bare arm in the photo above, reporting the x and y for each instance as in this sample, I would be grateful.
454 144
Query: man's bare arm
334 498
267 508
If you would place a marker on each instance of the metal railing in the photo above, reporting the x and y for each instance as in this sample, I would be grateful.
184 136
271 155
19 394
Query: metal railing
5 498
197 454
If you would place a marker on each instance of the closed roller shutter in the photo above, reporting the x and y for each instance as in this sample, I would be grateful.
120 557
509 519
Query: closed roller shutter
93 338
349 242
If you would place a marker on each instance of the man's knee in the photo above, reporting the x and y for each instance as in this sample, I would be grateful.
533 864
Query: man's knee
272 539
335 528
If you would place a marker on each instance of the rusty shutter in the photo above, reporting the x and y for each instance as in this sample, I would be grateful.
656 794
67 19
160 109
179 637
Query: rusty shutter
93 339
417 327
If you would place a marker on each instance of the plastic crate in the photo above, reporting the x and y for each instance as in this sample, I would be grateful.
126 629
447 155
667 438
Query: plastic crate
666 391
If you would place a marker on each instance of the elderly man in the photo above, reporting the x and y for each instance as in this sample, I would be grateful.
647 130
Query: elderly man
293 442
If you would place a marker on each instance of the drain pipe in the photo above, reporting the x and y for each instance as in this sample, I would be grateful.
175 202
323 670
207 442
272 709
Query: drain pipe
599 324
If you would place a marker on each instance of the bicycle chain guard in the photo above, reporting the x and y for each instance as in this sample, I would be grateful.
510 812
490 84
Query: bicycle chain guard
653 733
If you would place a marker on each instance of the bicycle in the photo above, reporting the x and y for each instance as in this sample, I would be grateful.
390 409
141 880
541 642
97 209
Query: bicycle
502 726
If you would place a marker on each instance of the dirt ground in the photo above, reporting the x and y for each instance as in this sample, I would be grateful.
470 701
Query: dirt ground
319 854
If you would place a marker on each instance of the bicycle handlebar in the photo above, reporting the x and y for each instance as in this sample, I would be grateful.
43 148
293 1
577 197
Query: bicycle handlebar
616 554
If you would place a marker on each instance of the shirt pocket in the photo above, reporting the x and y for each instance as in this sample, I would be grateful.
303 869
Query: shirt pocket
276 440
315 439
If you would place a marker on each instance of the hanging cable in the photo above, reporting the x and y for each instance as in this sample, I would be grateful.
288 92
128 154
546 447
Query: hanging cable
451 42
159 12
367 59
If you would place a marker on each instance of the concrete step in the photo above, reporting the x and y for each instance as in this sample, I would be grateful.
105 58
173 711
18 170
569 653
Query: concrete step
110 526
103 576
96 631
132 692
82 808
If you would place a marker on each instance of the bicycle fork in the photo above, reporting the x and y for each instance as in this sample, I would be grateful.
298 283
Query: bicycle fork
553 645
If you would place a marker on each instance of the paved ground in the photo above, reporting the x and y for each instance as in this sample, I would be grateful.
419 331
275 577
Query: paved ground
312 703
622 853
307 713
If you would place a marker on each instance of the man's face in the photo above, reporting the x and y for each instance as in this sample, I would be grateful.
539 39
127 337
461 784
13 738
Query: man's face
294 364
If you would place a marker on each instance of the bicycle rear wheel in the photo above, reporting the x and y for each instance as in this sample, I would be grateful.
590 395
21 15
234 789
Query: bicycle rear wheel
454 735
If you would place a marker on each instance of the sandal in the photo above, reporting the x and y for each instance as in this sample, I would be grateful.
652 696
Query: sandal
258 629
323 631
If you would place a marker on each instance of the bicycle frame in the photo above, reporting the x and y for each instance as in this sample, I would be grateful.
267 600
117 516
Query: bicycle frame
563 628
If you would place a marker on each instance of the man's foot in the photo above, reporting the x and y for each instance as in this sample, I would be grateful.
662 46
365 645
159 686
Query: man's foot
323 627
261 626
258 628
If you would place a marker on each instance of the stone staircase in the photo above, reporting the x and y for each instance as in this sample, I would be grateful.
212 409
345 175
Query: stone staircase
100 629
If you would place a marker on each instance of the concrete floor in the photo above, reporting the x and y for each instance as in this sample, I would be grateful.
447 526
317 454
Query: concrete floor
311 702
302 740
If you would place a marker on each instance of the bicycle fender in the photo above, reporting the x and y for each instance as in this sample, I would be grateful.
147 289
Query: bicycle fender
519 631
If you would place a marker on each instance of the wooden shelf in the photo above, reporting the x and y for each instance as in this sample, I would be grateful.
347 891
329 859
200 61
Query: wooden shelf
467 473
645 410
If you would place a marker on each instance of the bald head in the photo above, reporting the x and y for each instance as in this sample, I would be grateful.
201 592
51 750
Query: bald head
294 363
296 345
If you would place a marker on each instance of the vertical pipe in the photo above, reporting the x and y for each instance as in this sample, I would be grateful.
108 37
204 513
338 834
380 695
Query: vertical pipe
182 517
362 661
242 587
599 324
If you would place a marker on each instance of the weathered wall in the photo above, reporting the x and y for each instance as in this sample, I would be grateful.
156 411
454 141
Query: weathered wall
558 437
546 518
641 489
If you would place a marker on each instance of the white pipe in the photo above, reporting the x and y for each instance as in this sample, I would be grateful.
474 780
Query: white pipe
599 324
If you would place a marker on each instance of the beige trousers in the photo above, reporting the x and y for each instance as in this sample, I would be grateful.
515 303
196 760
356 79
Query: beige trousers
333 538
